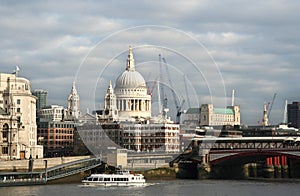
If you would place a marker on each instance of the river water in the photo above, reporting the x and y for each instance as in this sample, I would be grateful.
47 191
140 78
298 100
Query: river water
172 187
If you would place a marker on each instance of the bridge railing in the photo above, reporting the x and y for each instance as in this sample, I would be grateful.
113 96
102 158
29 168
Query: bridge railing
72 168
246 143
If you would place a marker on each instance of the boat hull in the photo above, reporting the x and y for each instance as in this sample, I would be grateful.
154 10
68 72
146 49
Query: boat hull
119 179
109 184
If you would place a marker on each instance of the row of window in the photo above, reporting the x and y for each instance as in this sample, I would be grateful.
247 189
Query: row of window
150 134
68 137
58 125
128 91
151 128
150 140
167 147
96 179
57 131
58 143
20 86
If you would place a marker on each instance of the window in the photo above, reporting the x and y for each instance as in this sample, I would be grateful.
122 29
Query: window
4 135
5 132
4 150
18 101
19 110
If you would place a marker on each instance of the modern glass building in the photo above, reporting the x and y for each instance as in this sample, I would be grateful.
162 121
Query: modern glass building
293 111
41 98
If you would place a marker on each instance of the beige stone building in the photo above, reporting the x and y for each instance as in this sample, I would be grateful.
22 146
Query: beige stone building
17 102
208 115
212 116
8 136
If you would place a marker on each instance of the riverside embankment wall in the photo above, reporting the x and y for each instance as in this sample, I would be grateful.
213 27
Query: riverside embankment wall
38 164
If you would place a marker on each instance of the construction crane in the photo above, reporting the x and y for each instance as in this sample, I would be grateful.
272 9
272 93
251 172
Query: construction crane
164 99
150 91
271 105
178 107
186 91
179 111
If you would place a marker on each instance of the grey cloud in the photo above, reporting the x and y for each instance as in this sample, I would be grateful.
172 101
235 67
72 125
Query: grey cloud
255 43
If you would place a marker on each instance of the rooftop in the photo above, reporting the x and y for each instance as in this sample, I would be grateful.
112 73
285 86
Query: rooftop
223 111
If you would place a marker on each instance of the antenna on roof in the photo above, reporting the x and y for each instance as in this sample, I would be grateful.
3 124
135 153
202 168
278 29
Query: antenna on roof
232 98
16 71
285 112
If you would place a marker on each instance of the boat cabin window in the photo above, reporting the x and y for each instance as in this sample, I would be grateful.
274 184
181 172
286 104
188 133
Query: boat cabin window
90 179
95 179
120 179
106 179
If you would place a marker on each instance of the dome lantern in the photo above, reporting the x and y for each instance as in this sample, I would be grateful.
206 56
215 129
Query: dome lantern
130 78
130 61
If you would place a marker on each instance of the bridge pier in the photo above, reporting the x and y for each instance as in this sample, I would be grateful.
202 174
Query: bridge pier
227 171
277 171
270 168
187 170
285 171
268 171
294 169
253 170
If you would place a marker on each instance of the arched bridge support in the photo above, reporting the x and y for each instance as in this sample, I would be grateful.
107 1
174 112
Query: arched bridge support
255 164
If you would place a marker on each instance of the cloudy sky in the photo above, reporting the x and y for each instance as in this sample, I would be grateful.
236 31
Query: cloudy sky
211 47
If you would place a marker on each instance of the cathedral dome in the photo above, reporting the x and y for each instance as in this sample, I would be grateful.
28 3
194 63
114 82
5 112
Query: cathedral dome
132 100
130 79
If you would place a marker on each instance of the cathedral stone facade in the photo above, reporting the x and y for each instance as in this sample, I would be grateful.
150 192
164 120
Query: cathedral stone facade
128 107
129 99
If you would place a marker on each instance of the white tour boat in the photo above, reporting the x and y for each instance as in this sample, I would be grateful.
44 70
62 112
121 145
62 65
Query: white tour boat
121 178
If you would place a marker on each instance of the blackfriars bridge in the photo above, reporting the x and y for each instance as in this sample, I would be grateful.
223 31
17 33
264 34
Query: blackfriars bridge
243 157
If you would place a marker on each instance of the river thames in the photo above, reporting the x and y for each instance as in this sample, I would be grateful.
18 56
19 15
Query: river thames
172 187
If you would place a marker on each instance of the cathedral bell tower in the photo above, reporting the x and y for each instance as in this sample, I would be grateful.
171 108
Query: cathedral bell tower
110 112
73 104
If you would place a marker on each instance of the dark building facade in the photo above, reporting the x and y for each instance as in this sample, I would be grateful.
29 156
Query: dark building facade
41 98
293 111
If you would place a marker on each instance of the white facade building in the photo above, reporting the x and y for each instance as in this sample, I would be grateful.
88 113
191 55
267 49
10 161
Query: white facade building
8 136
52 113
17 101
